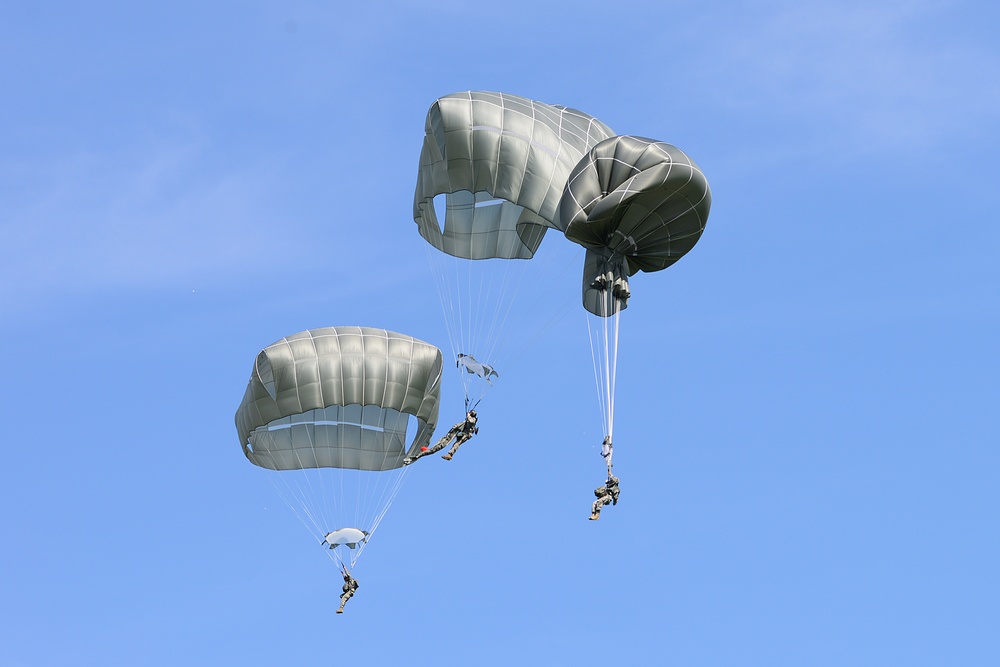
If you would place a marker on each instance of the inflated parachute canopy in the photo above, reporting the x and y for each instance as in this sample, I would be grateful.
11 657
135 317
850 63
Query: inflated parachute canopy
637 205
339 397
502 162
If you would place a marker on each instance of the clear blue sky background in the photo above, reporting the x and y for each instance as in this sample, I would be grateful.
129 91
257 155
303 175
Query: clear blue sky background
807 403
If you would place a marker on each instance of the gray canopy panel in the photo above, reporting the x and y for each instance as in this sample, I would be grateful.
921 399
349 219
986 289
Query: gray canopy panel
502 162
636 205
339 397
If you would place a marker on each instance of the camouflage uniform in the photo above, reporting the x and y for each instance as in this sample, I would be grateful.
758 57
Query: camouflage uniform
464 434
350 585
606 495
460 432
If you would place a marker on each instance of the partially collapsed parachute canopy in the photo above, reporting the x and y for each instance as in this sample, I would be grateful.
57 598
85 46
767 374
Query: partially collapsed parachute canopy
502 161
473 367
339 397
636 205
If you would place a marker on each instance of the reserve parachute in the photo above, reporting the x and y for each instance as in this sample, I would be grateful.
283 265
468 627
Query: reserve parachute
329 410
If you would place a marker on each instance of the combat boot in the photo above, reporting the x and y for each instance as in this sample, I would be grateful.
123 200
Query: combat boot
446 457
595 516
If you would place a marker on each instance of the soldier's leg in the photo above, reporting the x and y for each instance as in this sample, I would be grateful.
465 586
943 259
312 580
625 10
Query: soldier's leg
438 446
598 504
343 600
462 437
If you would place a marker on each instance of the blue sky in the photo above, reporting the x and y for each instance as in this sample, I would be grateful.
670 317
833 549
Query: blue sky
805 421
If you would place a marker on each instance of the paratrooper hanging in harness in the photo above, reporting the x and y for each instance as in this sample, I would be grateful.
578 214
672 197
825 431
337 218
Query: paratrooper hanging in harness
350 585
460 433
606 495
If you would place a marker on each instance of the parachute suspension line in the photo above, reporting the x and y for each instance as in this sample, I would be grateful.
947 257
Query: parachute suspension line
306 492
608 384
393 491
466 320
472 331
552 270
444 294
505 278
493 303
386 498
295 497
503 289
472 405
482 300
488 313
300 512
455 285
594 354
605 370
448 279
385 494
305 486
478 298
511 279
604 337
613 356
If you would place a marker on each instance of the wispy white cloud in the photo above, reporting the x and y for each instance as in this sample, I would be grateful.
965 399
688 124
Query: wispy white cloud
137 219
860 75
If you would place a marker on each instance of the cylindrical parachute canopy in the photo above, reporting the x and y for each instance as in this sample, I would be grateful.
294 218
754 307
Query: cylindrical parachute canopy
636 205
339 397
502 161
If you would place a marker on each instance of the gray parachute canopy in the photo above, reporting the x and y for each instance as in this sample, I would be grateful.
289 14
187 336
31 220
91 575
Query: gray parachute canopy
636 205
339 397
502 161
